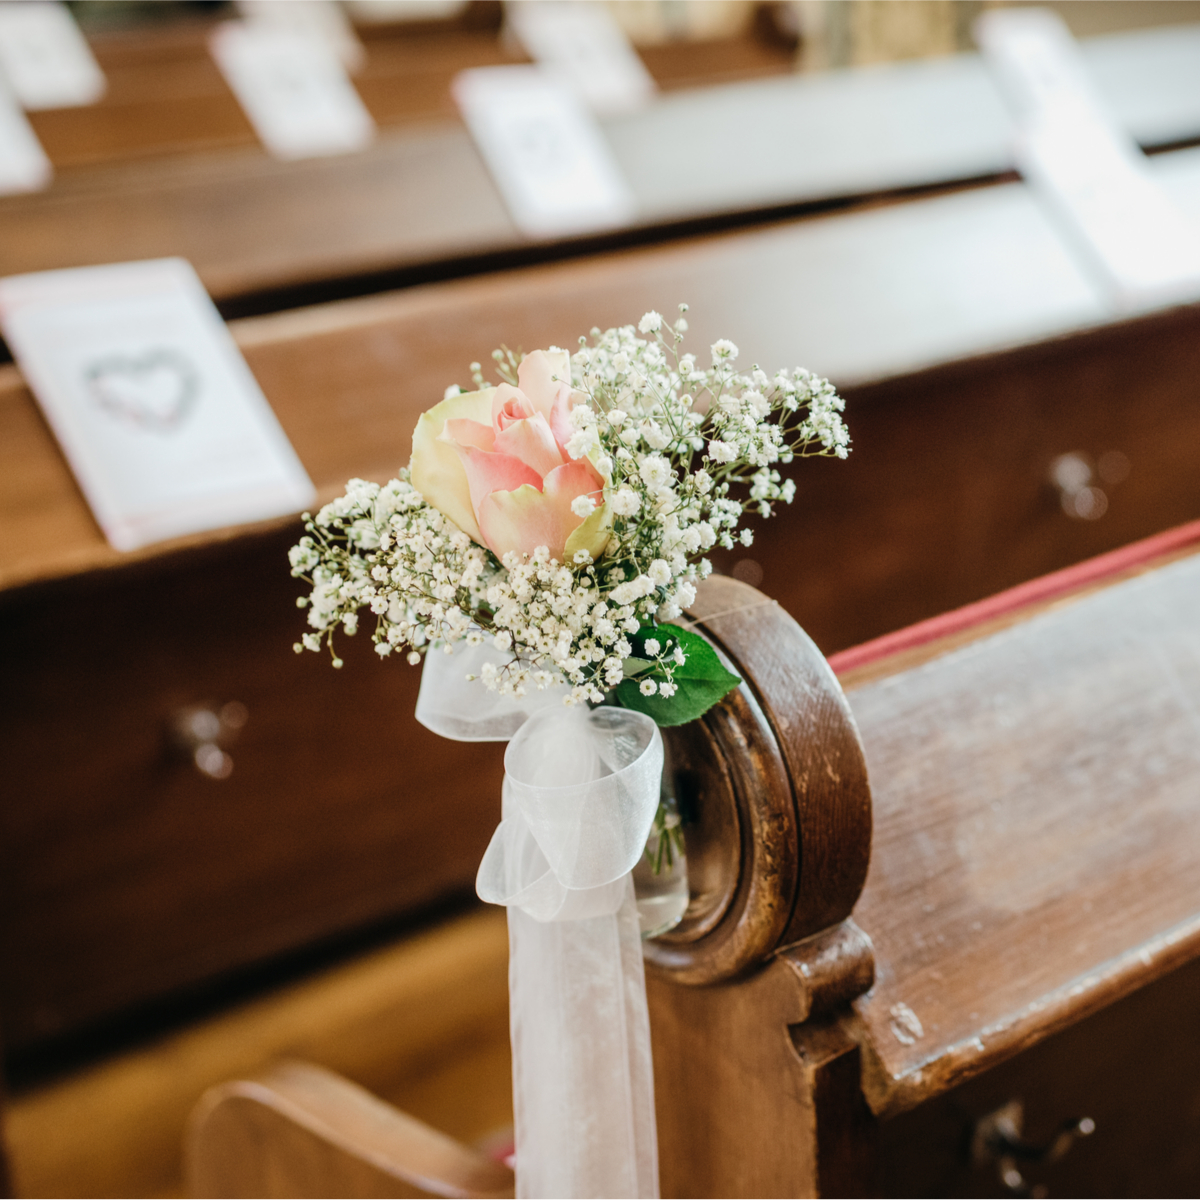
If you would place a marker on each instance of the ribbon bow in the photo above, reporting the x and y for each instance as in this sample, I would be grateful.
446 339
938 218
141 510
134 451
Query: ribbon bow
580 792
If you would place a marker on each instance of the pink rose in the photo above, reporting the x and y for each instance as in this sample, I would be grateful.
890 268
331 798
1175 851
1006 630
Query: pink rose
495 462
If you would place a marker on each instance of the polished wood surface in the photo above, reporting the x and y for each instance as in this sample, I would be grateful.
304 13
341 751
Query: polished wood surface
1012 964
299 1130
420 203
776 785
165 95
1133 1068
1008 916
945 499
348 381
1034 885
777 769
421 1022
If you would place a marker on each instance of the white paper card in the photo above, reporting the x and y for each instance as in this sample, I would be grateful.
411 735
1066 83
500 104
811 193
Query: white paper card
322 18
44 57
385 12
1091 173
165 427
293 88
24 166
545 150
583 43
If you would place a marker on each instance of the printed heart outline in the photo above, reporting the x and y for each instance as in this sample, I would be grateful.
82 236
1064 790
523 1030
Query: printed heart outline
102 379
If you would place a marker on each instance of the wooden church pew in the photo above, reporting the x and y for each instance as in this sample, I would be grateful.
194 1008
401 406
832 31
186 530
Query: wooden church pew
1019 961
419 202
945 499
419 1018
165 95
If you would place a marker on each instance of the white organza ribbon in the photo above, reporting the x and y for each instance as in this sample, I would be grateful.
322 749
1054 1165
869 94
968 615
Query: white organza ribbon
580 792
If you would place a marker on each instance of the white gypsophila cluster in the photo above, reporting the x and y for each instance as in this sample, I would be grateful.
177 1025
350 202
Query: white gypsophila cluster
677 443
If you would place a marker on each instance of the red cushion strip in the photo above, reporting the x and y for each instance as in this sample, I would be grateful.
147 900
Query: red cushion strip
1044 588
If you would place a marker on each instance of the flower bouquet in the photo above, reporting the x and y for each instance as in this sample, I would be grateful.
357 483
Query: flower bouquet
538 553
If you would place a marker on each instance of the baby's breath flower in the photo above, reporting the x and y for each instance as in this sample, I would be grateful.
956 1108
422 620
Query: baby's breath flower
642 413
625 502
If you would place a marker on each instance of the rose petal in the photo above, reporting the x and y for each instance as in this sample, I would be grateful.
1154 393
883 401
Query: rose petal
592 535
560 422
437 469
488 472
541 374
525 519
510 404
470 433
532 442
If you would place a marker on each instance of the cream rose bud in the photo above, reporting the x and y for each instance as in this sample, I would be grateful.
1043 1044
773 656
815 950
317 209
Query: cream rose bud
495 462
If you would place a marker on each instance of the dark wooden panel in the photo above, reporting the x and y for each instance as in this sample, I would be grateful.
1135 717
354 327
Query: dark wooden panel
126 874
1134 1069
946 497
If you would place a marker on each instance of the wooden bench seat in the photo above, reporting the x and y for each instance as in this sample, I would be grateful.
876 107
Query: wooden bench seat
1022 960
129 878
165 95
420 204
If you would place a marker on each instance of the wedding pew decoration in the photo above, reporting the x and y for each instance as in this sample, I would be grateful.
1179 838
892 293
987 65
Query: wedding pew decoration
537 554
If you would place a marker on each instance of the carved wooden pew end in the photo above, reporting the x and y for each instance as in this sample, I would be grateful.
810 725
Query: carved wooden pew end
300 1130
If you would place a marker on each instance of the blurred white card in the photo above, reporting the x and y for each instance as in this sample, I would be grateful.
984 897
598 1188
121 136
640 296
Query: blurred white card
1091 173
324 18
44 57
545 150
584 44
385 12
294 89
165 427
24 166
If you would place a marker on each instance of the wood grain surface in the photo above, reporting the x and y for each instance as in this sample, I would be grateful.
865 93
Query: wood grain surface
1034 854
1133 1067
421 1022
165 95
945 499
774 773
420 204
299 1130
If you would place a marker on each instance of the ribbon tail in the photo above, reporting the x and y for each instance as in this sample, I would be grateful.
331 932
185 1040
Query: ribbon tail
583 1080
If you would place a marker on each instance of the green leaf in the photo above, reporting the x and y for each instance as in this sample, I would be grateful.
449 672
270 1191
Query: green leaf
701 681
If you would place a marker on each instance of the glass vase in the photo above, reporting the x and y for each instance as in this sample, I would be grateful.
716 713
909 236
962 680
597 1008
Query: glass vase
660 879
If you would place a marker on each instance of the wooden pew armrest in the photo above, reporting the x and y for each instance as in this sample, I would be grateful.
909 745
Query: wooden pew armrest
301 1130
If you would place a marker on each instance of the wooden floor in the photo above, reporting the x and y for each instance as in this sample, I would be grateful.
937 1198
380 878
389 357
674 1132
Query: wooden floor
423 1023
